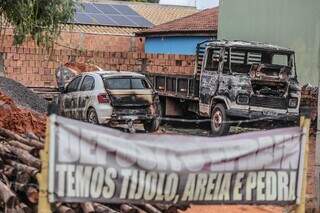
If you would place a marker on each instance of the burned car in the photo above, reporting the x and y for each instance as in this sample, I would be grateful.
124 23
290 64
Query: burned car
111 98
234 80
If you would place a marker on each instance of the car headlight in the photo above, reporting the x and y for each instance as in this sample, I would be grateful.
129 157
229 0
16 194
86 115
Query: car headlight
242 99
293 102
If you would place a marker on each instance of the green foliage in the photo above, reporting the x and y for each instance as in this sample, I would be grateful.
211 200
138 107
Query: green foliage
40 19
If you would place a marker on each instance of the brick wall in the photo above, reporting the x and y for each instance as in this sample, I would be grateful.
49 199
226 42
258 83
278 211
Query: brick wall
85 41
36 67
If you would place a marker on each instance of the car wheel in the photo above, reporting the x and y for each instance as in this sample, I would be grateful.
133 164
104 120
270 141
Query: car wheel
152 125
219 119
92 116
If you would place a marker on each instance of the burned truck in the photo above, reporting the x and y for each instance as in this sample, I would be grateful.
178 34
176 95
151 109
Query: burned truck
233 81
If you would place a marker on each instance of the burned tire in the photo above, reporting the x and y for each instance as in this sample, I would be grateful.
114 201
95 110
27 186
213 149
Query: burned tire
219 119
152 125
92 116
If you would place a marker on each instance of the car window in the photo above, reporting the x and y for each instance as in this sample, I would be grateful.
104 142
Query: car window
138 83
87 83
213 62
125 83
74 84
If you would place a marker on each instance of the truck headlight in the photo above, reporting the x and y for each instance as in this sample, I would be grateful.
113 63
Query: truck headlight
293 102
242 99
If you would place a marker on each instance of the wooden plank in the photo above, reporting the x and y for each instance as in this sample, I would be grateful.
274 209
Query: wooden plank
44 206
305 124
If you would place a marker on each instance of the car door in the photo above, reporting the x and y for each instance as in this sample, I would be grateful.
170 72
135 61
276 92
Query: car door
86 96
69 98
209 80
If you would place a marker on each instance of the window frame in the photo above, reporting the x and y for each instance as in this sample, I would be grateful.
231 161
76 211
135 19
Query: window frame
92 85
128 78
73 80
221 50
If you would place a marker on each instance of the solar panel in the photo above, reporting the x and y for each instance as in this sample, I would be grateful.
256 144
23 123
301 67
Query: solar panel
140 21
108 15
107 9
122 21
125 10
83 18
90 8
101 19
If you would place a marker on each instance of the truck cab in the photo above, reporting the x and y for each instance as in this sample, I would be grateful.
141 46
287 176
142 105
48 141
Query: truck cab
247 80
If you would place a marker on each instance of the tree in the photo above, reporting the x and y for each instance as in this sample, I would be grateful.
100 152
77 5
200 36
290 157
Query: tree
39 19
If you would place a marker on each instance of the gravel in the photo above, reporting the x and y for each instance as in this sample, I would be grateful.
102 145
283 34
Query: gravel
22 96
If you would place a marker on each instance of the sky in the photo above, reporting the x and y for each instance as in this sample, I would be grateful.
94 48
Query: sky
201 4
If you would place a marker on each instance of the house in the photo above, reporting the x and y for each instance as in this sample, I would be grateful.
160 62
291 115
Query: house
181 36
290 23
118 36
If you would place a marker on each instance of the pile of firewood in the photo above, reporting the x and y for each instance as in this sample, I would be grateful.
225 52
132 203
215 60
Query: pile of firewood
19 164
19 191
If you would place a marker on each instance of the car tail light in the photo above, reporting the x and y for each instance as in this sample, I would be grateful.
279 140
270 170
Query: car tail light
103 98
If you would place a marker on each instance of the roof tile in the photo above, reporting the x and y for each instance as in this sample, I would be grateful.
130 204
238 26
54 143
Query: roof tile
205 21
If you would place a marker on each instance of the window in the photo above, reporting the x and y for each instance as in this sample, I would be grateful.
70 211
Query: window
87 84
138 83
74 84
212 63
125 83
280 60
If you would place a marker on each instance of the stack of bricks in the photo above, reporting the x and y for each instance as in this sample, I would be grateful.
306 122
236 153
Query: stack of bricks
36 67
309 104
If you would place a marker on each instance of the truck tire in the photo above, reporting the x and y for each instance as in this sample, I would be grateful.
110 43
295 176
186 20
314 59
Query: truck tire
151 125
219 119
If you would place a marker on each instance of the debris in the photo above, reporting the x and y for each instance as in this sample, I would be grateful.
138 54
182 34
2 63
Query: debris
21 121
22 96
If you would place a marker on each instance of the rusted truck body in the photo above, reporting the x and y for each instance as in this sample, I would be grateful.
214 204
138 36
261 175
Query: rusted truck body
232 81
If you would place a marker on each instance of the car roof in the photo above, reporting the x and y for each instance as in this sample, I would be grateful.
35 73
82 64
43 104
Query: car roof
250 45
115 73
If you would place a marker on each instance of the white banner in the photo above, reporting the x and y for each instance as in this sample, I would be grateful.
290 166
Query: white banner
94 163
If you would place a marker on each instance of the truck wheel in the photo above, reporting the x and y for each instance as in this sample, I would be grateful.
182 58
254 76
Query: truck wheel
219 118
92 116
151 125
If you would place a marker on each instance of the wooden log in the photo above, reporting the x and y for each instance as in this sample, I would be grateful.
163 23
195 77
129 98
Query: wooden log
151 209
25 208
32 194
7 196
183 206
87 207
8 170
25 157
64 209
22 167
21 146
99 208
139 210
9 134
167 208
4 151
127 209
